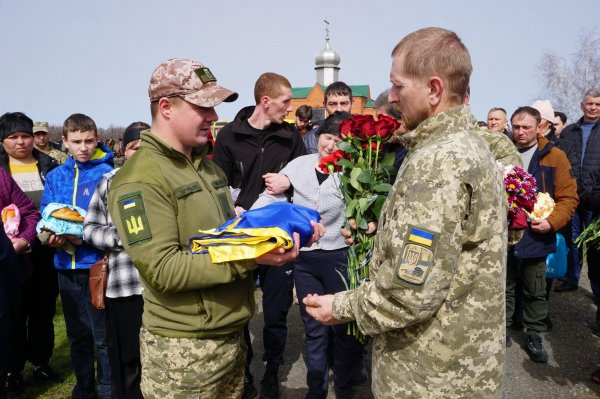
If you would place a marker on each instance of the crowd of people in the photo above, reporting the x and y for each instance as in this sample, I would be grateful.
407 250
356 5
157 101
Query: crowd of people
449 276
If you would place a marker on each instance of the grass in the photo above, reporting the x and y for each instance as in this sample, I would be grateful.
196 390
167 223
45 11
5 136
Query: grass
60 361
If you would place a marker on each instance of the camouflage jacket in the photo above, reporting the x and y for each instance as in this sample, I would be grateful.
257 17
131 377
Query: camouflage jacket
58 155
435 299
505 152
157 201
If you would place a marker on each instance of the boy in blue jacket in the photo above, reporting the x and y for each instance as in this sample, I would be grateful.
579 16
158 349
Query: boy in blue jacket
74 183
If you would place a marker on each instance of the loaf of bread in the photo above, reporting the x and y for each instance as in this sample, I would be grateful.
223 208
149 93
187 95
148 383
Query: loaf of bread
67 214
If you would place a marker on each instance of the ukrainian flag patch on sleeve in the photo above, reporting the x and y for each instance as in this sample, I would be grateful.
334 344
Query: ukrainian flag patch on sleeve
417 255
422 237
134 219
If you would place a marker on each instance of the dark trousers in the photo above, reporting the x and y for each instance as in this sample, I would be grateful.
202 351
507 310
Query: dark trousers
277 284
532 274
86 329
123 323
33 330
320 272
10 292
581 219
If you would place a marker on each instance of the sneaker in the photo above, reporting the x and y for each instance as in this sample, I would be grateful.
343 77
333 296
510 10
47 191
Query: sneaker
14 384
250 391
565 287
269 385
535 348
508 340
46 373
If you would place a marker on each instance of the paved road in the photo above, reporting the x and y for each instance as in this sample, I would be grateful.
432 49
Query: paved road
574 353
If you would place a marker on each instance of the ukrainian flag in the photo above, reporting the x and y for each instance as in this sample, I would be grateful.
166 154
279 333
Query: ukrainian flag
421 237
256 232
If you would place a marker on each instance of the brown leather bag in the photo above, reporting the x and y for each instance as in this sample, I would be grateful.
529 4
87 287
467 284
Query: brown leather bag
98 280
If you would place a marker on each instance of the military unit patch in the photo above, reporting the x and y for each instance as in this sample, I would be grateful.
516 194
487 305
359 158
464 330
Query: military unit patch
417 255
205 75
133 216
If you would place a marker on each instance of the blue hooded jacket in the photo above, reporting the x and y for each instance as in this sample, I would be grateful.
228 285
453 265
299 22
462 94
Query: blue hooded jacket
74 183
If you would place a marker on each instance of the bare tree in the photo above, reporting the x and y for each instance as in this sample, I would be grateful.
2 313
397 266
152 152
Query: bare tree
564 81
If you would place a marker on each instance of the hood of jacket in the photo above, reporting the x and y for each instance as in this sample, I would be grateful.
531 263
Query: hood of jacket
240 124
102 154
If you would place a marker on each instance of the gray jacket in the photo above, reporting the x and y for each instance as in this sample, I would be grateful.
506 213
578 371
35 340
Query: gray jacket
325 198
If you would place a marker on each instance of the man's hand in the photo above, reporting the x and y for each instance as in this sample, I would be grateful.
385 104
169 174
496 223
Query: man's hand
347 234
321 308
540 226
279 256
276 183
318 232
239 210
56 241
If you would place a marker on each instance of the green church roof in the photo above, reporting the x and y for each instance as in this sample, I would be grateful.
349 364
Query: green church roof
300 92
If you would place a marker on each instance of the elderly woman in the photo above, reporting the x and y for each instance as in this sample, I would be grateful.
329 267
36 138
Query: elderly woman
321 267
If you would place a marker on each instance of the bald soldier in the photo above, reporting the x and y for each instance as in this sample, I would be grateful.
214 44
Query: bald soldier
434 303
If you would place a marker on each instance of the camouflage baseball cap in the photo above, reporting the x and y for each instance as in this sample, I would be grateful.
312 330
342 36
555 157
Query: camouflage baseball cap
40 127
189 80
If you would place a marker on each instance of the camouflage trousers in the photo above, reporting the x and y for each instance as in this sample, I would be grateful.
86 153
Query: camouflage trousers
184 368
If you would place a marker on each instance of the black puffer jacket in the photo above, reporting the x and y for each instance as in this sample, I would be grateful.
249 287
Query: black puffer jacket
571 143
45 162
245 154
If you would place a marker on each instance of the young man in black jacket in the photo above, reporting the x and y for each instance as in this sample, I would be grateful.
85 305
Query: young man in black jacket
252 150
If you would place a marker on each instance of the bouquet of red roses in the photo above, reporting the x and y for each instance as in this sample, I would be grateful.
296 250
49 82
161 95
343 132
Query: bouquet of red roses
521 192
365 177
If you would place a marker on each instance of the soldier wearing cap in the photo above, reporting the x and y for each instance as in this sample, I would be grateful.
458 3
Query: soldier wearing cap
41 141
191 340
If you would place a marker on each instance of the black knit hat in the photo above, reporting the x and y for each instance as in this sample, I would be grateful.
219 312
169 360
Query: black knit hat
333 121
12 122
132 134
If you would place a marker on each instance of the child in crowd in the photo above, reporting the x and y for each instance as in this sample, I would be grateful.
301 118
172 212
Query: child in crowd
74 183
124 303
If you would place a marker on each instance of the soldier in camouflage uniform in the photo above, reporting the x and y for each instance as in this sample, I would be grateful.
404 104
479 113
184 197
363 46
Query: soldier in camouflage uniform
191 341
41 141
435 300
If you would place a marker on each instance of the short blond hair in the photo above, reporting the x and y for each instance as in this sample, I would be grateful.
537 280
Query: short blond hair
437 52
270 84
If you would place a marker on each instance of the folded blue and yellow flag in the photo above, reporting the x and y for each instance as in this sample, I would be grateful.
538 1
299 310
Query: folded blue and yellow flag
256 232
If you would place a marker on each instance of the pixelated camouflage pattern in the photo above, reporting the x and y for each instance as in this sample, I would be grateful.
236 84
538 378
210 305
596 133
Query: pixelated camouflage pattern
58 155
40 127
183 368
178 77
443 338
504 151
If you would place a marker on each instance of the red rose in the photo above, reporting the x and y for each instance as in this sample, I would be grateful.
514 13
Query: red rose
364 126
347 128
330 162
385 126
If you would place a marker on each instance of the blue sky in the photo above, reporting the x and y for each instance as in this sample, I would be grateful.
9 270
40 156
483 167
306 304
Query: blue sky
96 57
